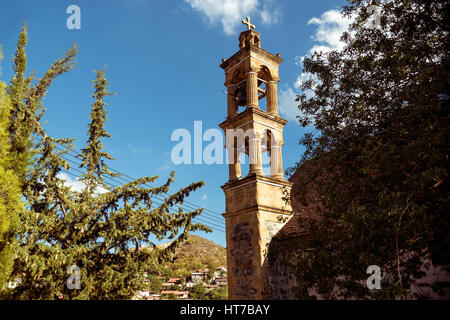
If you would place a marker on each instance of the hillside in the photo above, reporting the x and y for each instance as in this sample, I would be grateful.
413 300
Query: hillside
197 253
203 249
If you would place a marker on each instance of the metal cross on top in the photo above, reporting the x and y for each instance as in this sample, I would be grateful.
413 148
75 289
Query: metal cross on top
248 24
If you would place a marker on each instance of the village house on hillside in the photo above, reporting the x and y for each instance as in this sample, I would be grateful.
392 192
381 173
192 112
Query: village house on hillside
180 295
197 276
178 289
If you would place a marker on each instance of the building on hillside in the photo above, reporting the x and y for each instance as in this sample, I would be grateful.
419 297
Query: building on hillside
221 281
174 280
197 276
210 287
220 271
180 295
141 295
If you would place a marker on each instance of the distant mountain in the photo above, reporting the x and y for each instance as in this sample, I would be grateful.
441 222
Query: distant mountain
203 249
198 253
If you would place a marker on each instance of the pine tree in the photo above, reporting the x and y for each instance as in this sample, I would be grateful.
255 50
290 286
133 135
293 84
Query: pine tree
20 127
20 110
27 108
101 231
10 202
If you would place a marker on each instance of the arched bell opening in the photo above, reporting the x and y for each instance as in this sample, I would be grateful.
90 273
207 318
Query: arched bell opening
245 169
239 90
257 41
252 149
264 77
244 153
271 151
248 39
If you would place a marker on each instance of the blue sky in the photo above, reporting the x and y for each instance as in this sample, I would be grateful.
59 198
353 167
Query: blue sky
162 59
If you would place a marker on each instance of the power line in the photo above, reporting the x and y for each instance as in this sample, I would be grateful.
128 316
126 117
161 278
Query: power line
133 179
206 215
213 223
189 205
213 214
207 223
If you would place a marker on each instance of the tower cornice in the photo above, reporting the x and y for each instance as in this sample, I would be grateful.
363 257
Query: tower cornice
249 113
256 178
245 53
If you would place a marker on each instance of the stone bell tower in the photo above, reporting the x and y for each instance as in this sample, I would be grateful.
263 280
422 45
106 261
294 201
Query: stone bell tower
255 205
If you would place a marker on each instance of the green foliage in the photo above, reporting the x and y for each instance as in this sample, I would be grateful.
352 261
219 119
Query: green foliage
10 188
155 284
172 297
212 265
196 253
10 191
380 107
101 230
27 108
196 264
220 293
198 292
175 287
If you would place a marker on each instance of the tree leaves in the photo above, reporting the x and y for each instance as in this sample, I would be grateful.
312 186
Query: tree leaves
105 234
381 107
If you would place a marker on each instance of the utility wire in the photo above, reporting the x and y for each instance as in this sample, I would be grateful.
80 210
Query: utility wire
207 223
206 215
186 203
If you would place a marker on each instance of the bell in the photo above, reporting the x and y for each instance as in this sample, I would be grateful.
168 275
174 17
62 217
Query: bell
241 95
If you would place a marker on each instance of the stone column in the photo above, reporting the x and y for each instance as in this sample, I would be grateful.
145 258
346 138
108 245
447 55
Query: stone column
234 161
252 89
255 156
276 163
272 97
232 102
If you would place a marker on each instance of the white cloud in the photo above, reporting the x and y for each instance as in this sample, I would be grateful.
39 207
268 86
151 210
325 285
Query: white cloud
229 13
287 105
270 14
76 185
330 27
205 197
